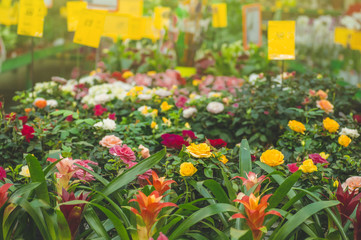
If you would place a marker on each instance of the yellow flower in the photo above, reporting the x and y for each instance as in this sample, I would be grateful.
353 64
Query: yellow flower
199 151
272 157
155 113
192 96
336 183
145 110
324 155
167 121
187 169
223 159
319 76
165 106
308 166
186 125
151 73
127 74
196 82
297 126
25 171
330 125
154 125
344 140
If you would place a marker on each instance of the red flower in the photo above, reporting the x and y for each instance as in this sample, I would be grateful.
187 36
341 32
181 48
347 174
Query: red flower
189 134
28 132
348 202
357 223
217 143
72 213
124 152
253 158
23 119
316 158
357 118
173 141
118 76
252 180
10 116
292 167
69 118
160 185
2 174
1 105
99 110
4 193
112 116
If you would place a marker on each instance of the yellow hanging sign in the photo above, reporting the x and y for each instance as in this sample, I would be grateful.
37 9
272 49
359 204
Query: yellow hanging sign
5 3
90 28
150 31
219 17
131 7
73 12
161 17
31 18
356 41
281 40
9 15
116 25
136 30
343 36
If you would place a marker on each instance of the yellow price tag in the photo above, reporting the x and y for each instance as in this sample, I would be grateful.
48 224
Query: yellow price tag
343 36
136 28
150 31
9 15
74 10
31 18
186 71
131 7
356 41
161 17
116 25
5 3
219 17
281 40
90 28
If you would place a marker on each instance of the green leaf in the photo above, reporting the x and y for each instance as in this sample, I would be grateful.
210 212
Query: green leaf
245 160
37 175
217 191
95 223
63 227
199 216
301 216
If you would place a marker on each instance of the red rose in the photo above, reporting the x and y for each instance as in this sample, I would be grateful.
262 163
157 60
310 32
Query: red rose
69 118
316 158
2 174
23 119
118 76
181 102
10 116
27 132
189 134
99 110
112 116
253 158
173 141
124 152
217 143
357 118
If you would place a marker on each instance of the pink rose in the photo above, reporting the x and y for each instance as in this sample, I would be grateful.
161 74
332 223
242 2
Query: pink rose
125 153
292 167
110 141
145 152
80 173
352 183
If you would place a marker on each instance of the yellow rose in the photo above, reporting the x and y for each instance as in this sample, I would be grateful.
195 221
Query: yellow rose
127 74
165 106
155 113
151 73
308 166
330 125
187 169
344 140
297 126
196 82
223 159
324 155
272 157
167 121
335 184
154 125
186 125
199 151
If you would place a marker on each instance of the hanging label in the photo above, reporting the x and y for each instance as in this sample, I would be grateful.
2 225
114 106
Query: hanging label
74 10
219 17
281 40
116 26
9 15
356 41
252 25
136 28
31 18
90 28
161 17
131 7
5 3
150 31
343 36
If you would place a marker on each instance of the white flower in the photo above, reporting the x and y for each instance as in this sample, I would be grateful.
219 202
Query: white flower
47 87
89 80
189 112
145 96
52 103
349 132
214 94
215 107
163 93
350 23
102 98
25 171
145 110
106 124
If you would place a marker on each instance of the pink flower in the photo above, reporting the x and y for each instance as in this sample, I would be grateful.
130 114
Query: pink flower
173 141
292 167
145 175
99 110
145 152
217 143
112 116
316 158
110 141
80 173
161 237
2 174
65 167
125 153
352 183
266 112
181 102
69 118
252 180
189 134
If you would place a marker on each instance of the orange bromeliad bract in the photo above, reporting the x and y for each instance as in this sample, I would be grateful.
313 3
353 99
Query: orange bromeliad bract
160 185
252 180
255 212
150 206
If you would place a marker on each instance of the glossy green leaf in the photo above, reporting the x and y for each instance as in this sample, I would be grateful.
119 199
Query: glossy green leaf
95 223
245 160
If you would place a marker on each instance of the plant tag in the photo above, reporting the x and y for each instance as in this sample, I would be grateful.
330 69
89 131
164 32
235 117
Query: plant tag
31 18
219 16
281 40
74 10
131 7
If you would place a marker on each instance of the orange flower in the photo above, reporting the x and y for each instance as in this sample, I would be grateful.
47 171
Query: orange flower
255 212
150 206
40 103
322 94
27 110
4 193
160 185
352 184
325 106
252 180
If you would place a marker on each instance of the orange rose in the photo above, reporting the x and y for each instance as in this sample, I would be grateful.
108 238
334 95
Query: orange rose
325 106
322 94
110 141
145 151
27 110
352 183
40 103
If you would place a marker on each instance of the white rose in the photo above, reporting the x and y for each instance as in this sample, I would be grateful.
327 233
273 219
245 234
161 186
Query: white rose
189 112
163 93
102 98
109 124
349 132
215 107
52 103
145 96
